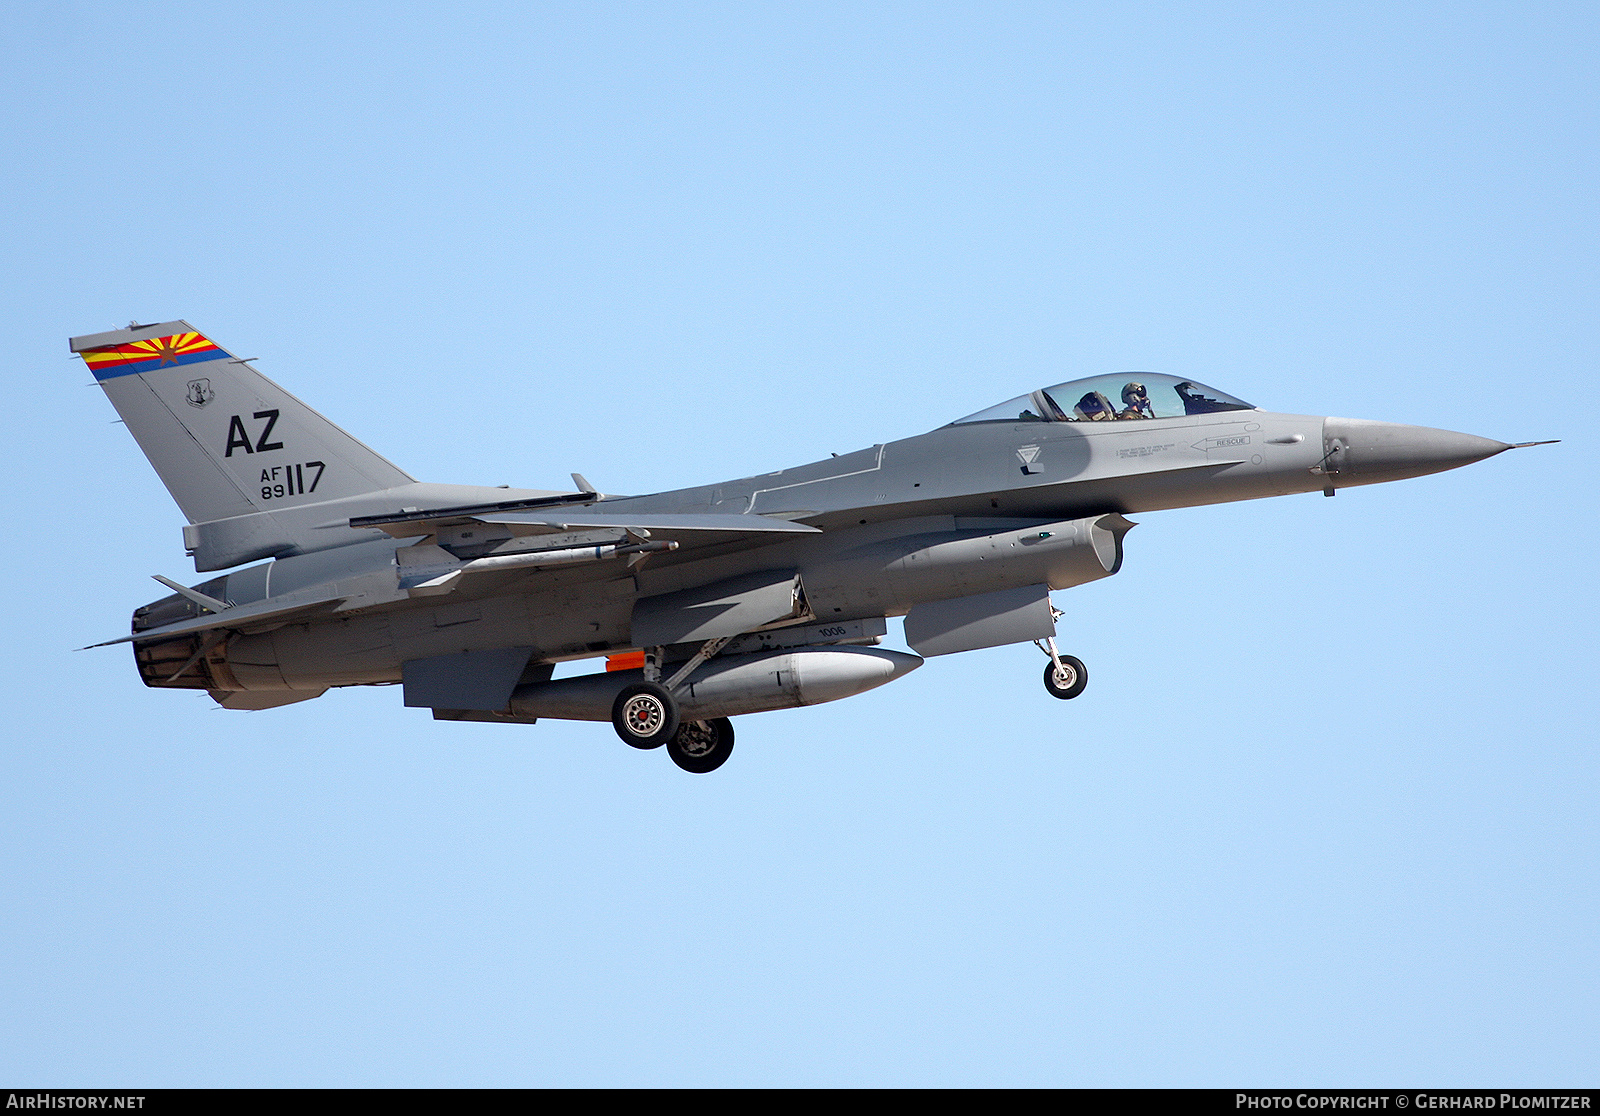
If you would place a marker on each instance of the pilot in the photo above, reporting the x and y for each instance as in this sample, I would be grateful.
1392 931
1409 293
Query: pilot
1137 403
1095 407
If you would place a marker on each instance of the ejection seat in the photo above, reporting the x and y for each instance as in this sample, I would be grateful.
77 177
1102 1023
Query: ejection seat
1094 407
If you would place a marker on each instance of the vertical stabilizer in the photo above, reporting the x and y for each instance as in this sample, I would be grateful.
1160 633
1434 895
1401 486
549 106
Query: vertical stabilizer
225 440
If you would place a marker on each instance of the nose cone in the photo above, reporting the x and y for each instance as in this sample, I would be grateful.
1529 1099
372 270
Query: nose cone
1361 451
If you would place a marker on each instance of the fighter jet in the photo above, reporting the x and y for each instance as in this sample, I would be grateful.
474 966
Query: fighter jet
755 594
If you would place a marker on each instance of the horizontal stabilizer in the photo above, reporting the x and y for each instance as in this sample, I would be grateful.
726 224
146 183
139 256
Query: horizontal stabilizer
259 614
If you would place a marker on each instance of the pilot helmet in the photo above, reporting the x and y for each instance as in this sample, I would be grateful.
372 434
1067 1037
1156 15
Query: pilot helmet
1134 395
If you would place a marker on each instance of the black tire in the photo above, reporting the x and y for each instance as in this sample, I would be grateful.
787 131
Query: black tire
702 746
645 715
1070 686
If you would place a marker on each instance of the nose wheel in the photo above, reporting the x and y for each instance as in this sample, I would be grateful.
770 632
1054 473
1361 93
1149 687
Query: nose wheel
1065 676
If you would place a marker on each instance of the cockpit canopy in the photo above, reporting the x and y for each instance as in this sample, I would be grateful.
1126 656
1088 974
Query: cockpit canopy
1123 395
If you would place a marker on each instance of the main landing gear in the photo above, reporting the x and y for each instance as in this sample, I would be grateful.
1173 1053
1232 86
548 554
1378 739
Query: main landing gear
1065 676
646 716
702 746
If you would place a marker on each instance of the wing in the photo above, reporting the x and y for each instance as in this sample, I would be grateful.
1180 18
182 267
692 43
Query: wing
475 557
428 570
667 524
685 527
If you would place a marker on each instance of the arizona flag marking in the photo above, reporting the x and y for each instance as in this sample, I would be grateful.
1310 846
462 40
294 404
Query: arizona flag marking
150 354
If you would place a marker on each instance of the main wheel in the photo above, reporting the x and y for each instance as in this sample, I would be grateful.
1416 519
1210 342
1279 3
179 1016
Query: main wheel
702 746
1067 680
645 715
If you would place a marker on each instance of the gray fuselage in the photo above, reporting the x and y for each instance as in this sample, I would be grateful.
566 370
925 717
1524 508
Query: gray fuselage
941 515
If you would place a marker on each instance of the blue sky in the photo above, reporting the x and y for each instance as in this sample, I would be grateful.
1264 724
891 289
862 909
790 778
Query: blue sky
1325 815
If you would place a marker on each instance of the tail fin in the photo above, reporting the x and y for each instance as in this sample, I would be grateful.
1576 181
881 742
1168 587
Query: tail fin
225 440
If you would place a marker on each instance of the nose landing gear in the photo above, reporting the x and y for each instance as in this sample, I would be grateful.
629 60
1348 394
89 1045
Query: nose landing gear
1065 676
1066 679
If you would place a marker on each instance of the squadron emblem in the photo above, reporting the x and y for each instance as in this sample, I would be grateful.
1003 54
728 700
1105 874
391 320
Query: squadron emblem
200 393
